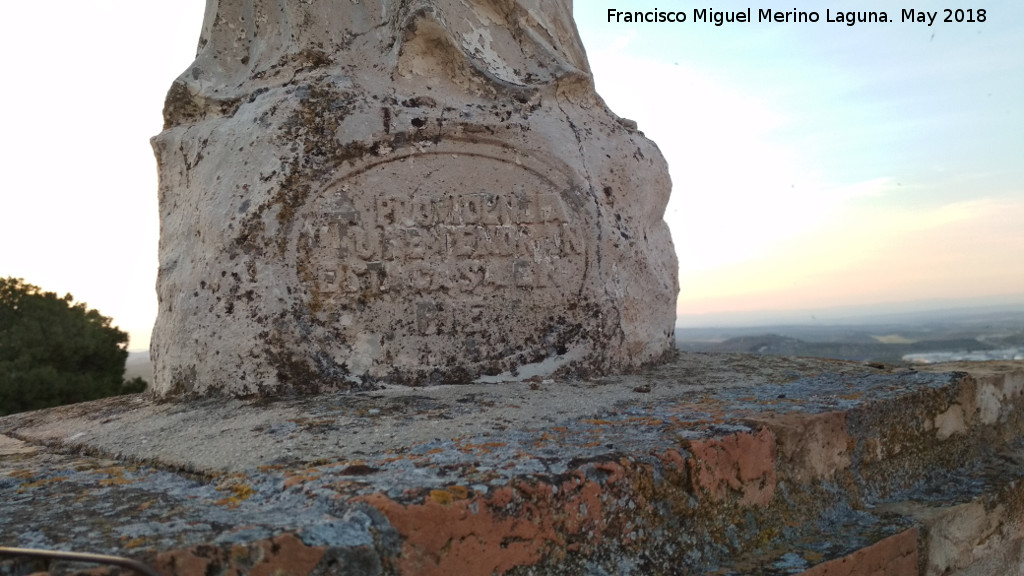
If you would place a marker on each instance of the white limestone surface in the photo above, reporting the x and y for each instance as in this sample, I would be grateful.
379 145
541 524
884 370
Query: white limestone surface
417 192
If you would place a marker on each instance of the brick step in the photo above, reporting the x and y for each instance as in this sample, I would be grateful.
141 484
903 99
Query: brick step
712 464
973 525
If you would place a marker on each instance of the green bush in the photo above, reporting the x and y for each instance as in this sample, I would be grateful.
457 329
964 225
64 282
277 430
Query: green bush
54 352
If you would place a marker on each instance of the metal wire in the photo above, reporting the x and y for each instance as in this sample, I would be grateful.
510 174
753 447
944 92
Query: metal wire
80 557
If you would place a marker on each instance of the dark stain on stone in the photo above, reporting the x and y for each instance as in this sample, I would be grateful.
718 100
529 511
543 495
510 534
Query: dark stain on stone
358 470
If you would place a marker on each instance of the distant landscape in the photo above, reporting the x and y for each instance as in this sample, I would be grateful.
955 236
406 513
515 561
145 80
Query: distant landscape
923 337
138 364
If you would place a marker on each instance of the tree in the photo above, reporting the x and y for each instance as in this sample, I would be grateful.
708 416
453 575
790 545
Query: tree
54 351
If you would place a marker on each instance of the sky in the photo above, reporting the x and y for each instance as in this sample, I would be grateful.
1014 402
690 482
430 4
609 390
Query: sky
817 167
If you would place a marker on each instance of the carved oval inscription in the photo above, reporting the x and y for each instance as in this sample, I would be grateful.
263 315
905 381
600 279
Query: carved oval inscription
447 255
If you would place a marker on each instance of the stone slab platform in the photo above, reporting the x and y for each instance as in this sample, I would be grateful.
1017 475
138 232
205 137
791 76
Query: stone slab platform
710 464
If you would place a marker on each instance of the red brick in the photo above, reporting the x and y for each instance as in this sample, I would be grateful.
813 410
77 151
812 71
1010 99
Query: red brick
286 555
742 463
894 556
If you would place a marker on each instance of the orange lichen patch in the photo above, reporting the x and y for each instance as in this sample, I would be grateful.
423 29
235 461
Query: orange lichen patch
297 478
113 470
442 497
242 491
645 420
116 476
43 482
678 423
597 422
458 492
20 474
239 554
239 494
547 437
741 463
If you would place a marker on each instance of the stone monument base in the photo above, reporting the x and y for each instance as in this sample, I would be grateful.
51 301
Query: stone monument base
711 464
420 193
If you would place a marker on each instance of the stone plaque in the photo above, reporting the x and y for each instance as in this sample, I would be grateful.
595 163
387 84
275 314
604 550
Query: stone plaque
421 193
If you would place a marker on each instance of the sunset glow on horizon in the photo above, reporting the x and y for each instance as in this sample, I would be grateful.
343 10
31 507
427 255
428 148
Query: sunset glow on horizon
817 167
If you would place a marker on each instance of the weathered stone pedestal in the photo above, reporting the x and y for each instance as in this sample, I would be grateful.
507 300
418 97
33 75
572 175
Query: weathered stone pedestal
707 465
415 192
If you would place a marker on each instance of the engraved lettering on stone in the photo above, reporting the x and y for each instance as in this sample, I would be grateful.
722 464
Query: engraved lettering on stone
483 230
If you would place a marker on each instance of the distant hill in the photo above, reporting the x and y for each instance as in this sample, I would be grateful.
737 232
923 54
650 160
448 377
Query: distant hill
883 342
138 364
886 341
995 309
778 345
